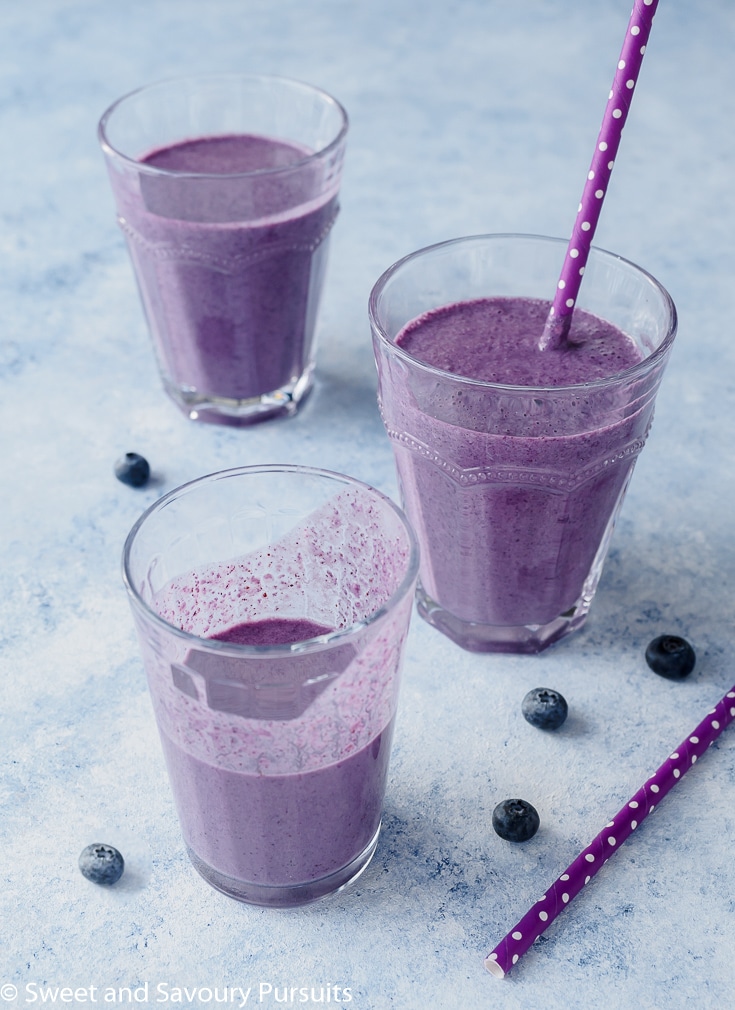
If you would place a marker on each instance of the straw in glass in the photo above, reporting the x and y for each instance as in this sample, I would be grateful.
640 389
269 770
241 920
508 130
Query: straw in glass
559 320
579 873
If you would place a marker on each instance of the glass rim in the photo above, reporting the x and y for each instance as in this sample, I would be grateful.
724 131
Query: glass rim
317 643
109 148
633 371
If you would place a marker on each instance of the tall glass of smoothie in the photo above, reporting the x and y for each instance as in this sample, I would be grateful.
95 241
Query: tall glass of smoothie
272 604
513 461
226 188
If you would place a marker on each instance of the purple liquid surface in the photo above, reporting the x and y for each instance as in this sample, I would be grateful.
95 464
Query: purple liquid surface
511 496
272 631
496 340
229 271
225 155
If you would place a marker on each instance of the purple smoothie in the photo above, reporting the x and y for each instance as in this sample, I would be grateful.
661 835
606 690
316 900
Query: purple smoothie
278 829
511 493
278 756
229 266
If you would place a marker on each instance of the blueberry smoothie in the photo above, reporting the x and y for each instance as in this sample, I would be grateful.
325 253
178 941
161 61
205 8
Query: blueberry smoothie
511 491
276 707
279 831
229 246
254 823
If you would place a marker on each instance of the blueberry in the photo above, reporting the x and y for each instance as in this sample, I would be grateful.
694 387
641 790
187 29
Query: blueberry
544 708
671 657
515 820
102 864
133 469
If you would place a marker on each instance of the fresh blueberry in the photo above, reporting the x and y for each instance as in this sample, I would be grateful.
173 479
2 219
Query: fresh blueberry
544 708
133 469
102 864
671 657
515 820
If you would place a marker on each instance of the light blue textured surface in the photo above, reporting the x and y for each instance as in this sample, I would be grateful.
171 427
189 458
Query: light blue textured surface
465 117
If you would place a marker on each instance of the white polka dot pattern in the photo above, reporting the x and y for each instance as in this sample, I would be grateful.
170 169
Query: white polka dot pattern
598 177
540 916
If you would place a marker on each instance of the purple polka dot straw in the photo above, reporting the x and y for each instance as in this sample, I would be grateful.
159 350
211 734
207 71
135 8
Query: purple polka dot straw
579 873
598 177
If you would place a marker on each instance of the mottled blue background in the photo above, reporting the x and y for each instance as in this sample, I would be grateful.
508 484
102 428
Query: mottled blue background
466 117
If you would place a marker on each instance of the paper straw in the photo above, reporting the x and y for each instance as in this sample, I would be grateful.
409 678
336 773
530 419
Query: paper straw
598 177
515 944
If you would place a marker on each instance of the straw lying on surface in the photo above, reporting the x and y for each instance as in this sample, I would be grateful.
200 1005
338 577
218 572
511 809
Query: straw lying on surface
512 947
